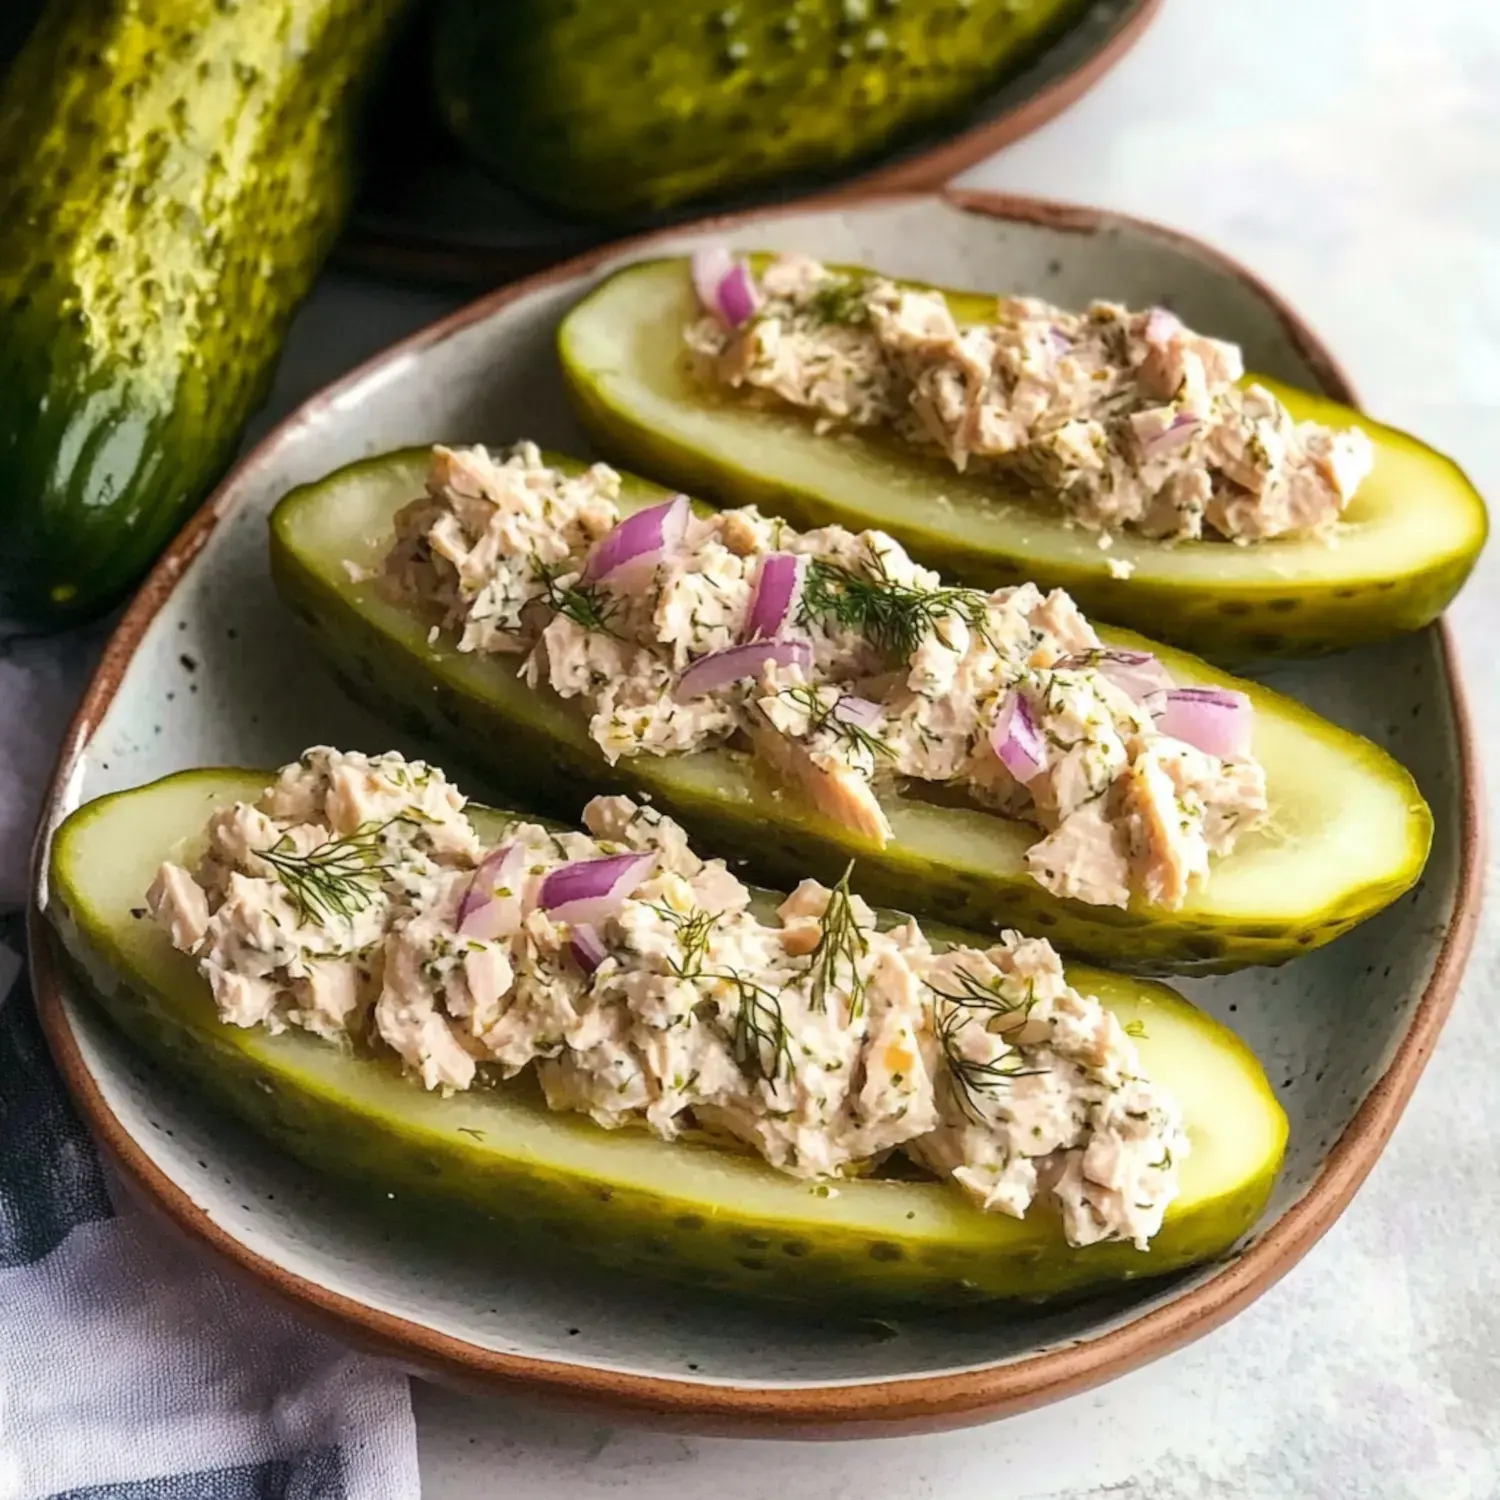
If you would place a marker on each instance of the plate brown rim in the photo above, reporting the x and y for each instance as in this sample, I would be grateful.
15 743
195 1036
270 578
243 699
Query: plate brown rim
905 1404
392 252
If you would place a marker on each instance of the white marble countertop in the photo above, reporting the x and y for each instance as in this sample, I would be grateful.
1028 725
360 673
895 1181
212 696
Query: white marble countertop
1348 151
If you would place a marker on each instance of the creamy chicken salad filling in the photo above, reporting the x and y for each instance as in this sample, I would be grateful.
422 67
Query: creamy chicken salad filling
1124 418
849 669
356 900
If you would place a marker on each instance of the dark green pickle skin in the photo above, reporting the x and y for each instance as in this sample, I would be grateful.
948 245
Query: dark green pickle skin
606 110
171 178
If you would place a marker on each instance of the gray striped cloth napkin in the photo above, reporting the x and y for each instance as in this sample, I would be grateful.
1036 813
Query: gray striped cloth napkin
130 1368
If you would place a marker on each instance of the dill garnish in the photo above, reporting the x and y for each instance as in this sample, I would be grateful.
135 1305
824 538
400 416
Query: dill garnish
582 603
894 617
841 940
842 302
970 1080
823 715
984 995
761 1046
693 931
338 878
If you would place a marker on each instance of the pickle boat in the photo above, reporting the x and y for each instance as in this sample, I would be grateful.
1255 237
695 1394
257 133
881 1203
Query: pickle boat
1348 829
714 1217
1406 544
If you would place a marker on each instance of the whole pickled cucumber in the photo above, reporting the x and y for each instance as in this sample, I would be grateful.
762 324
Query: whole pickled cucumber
559 1184
1406 544
171 178
1348 830
610 107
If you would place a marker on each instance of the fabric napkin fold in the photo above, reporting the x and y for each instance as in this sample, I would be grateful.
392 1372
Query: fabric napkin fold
130 1367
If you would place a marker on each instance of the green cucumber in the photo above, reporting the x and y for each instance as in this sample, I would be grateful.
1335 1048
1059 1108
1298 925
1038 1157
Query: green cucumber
711 1217
171 177
1349 831
610 107
1411 537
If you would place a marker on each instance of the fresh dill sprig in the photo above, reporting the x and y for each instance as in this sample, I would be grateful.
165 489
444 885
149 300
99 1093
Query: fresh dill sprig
821 715
984 995
338 878
760 1042
693 929
970 1081
841 940
894 617
582 603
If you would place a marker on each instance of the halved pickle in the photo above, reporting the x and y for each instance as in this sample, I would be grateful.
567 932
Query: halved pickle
1348 833
1410 537
703 1214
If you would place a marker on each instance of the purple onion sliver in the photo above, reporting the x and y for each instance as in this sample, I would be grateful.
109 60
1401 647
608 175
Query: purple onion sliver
491 903
590 891
1015 740
1162 326
639 541
737 297
860 712
587 947
1178 435
709 268
721 668
1213 720
1138 674
778 587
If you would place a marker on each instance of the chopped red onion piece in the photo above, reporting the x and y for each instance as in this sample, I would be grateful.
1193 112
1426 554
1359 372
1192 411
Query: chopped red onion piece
1159 431
638 543
724 285
860 712
709 267
1162 326
1015 739
1137 673
778 588
587 947
1213 720
491 904
1061 343
720 668
589 891
737 298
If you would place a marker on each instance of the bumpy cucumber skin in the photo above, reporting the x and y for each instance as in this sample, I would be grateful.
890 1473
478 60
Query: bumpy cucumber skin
407 683
1253 617
171 178
442 1182
605 110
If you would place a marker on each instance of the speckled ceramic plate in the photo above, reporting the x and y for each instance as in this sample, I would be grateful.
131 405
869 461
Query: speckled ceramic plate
206 667
425 210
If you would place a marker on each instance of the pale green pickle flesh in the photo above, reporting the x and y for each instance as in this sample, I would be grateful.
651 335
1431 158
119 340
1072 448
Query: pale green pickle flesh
717 1219
1348 833
1409 539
